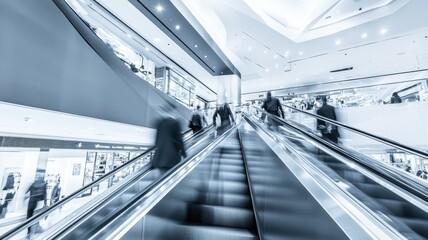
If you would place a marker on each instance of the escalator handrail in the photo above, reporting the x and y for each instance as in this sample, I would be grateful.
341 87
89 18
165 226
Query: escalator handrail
384 140
182 169
395 176
36 218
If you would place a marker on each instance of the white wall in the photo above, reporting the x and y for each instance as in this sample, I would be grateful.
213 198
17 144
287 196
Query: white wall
61 162
404 123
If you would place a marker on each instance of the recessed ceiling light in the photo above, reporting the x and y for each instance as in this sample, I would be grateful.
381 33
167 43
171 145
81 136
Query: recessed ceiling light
157 39
300 53
287 52
264 51
364 35
331 78
159 8
275 56
297 79
196 46
91 128
147 49
276 65
338 42
214 67
383 31
28 119
177 27
249 48
267 70
205 56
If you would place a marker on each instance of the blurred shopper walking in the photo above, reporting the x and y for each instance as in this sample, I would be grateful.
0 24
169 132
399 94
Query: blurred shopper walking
169 141
198 121
328 131
273 106
226 118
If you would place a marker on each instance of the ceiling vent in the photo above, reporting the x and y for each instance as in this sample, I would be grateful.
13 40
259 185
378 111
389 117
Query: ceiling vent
342 70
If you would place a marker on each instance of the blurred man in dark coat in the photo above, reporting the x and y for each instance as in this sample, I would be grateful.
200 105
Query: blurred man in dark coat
273 106
225 115
169 140
328 131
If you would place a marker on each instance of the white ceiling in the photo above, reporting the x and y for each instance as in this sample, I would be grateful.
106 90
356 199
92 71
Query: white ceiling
281 44
23 121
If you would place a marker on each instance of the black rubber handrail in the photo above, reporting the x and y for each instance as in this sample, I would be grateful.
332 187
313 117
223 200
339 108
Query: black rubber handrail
36 218
386 141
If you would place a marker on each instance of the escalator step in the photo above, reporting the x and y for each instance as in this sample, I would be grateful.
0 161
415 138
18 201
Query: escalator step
225 199
221 216
176 230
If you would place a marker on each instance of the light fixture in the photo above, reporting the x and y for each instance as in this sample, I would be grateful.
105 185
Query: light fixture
287 52
91 128
205 56
338 42
275 56
300 53
364 35
249 48
264 51
214 67
297 79
196 46
159 8
157 40
147 49
267 70
276 65
28 119
383 31
177 27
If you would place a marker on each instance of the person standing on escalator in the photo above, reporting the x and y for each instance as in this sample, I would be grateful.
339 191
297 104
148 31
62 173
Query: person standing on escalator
226 118
169 141
272 106
328 130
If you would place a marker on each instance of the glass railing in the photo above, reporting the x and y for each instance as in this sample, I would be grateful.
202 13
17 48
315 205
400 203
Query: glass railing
48 213
386 151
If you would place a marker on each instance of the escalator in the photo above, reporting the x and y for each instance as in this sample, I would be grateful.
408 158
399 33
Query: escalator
412 216
213 202
217 200
111 195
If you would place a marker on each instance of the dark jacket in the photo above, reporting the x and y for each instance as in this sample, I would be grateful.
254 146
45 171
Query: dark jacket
328 111
395 99
169 144
273 106
225 115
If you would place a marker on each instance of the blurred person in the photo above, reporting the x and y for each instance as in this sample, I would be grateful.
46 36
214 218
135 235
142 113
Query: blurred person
395 98
56 192
37 192
169 141
226 118
272 106
198 121
328 131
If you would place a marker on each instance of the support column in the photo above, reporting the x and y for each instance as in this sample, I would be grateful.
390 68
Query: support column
229 90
